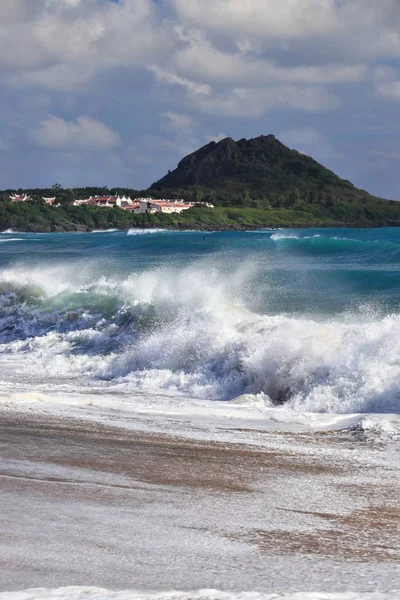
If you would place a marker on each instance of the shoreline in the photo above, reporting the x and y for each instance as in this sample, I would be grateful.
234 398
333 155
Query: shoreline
206 229
155 511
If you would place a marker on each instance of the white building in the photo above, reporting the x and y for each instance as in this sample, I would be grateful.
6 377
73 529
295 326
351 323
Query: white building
140 205
20 198
151 206
123 202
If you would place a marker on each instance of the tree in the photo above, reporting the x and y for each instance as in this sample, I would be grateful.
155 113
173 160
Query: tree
66 197
293 197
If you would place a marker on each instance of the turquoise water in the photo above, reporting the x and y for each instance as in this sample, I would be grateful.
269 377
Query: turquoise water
309 318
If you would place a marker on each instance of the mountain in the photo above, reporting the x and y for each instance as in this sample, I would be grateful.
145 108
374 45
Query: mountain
261 166
251 183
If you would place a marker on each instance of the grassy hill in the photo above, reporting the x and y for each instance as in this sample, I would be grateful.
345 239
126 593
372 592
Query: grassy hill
260 169
252 183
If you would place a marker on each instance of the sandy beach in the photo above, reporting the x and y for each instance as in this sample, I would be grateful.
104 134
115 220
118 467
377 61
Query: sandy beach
88 504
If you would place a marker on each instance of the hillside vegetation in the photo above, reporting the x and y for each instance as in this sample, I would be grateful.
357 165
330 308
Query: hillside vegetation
252 183
260 171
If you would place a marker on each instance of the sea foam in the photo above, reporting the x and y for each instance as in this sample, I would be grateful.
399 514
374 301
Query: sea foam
188 331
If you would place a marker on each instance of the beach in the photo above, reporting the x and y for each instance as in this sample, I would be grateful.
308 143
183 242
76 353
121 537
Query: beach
87 504
210 415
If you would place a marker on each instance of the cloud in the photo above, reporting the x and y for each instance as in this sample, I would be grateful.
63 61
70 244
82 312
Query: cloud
308 141
389 90
83 134
254 103
273 23
96 35
206 61
179 69
291 19
58 78
16 10
165 76
179 122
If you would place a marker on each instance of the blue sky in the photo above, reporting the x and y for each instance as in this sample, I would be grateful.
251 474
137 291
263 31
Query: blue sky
102 92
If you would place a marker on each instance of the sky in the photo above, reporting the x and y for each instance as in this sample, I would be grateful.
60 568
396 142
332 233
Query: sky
116 92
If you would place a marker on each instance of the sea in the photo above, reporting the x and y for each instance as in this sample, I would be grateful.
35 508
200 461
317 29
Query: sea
219 337
303 323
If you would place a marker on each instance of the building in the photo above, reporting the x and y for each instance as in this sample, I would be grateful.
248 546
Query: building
132 208
105 201
140 205
151 206
20 198
50 201
124 202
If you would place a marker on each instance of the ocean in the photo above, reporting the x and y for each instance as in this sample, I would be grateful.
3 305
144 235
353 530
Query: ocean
303 321
283 342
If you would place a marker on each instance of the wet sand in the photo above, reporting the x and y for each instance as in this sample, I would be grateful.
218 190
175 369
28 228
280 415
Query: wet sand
88 504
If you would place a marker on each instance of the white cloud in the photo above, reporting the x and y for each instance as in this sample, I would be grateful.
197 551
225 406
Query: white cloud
57 78
308 141
171 78
205 61
292 18
389 90
179 121
206 47
281 24
253 103
84 133
17 10
90 36
72 2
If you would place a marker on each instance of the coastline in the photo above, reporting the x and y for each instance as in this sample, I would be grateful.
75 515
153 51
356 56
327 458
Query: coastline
333 225
155 511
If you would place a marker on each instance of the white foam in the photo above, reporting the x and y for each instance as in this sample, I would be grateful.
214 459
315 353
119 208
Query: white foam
293 236
104 230
94 593
185 332
146 231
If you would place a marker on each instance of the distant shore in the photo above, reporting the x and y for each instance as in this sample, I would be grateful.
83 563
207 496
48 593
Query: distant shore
39 217
217 228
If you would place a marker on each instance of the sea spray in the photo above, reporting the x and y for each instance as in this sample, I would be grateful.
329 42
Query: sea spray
189 331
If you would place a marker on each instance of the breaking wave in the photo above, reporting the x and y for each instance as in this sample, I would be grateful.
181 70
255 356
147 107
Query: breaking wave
335 243
188 331
292 236
146 231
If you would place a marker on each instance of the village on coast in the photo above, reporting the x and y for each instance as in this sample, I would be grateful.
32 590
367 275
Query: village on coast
135 206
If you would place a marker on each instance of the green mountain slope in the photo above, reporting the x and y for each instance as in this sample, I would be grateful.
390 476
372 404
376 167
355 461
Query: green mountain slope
264 174
252 183
262 167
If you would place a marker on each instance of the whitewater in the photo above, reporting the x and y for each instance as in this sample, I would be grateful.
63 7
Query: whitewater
300 326
213 416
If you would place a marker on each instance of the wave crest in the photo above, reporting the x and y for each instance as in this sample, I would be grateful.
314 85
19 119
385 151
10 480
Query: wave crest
188 331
